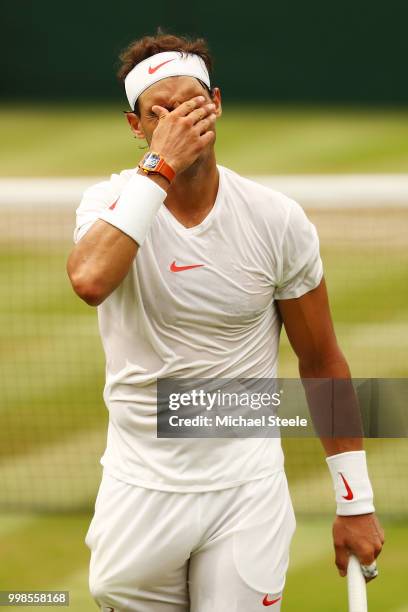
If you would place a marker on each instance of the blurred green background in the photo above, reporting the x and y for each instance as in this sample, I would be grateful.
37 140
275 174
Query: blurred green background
94 139
62 118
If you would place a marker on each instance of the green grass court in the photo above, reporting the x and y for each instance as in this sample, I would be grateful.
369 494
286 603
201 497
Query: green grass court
52 368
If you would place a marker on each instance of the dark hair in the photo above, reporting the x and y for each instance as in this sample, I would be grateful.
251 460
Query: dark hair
147 46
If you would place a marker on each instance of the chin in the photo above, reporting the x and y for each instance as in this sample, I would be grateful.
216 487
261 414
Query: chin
201 160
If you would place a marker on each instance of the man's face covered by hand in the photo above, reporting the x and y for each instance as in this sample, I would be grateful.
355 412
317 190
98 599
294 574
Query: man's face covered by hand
168 93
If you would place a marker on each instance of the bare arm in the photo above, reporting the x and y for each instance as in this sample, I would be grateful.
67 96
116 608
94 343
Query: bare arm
309 327
102 258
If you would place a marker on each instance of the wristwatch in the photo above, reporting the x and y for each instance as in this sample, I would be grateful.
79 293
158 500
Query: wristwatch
154 163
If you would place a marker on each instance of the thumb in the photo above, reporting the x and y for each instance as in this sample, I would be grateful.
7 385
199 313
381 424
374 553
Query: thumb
160 111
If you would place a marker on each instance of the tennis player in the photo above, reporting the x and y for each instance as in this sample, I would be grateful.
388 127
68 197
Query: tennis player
194 269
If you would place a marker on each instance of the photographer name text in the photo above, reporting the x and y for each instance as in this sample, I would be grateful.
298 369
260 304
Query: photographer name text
237 421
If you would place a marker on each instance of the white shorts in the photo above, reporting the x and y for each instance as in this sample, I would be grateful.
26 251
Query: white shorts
159 551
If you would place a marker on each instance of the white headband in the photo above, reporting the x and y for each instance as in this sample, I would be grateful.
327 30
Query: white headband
161 66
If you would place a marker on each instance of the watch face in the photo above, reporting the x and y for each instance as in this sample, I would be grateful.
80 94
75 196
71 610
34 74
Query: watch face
151 161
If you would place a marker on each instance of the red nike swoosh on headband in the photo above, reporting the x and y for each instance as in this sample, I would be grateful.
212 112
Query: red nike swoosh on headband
175 268
349 495
153 70
269 602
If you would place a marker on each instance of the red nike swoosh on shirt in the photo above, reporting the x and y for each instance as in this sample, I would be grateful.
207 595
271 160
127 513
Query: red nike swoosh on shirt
269 602
153 70
175 268
349 495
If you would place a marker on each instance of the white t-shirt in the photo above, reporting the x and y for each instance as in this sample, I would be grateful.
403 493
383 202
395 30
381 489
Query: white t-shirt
218 320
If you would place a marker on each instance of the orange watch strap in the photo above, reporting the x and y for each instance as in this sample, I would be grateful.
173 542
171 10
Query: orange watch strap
165 170
162 167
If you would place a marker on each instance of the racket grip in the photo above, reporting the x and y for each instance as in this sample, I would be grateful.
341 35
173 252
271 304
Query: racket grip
357 593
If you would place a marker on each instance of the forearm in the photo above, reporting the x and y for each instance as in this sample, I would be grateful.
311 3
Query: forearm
102 258
332 402
334 446
100 261
334 367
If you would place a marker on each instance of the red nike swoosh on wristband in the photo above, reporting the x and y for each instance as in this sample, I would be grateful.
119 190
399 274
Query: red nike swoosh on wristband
175 268
349 495
153 70
269 602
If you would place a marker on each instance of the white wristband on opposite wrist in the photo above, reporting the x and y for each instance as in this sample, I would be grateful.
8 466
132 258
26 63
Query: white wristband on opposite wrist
136 208
352 486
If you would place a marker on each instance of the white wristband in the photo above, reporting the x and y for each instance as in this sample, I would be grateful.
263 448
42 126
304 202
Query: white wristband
136 208
352 486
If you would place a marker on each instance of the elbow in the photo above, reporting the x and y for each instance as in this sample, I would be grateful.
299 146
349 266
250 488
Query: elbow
89 292
88 289
91 296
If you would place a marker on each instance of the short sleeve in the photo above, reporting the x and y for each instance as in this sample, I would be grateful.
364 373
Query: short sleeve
301 264
97 198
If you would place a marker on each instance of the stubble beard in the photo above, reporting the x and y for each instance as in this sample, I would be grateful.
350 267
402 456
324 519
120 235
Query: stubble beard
200 165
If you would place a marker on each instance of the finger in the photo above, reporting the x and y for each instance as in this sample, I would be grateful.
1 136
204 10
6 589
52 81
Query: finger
377 551
160 111
207 138
188 106
365 555
380 532
205 124
200 113
342 559
378 544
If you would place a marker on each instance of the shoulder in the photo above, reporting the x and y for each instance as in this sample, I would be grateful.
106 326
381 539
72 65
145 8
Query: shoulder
262 201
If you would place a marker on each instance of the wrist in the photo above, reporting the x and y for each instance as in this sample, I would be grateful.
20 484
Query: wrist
154 163
352 486
168 155
158 179
136 207
172 163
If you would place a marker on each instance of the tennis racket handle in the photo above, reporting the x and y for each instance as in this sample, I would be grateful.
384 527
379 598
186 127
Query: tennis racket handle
357 593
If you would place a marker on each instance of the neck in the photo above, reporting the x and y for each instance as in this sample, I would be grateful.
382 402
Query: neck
192 194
